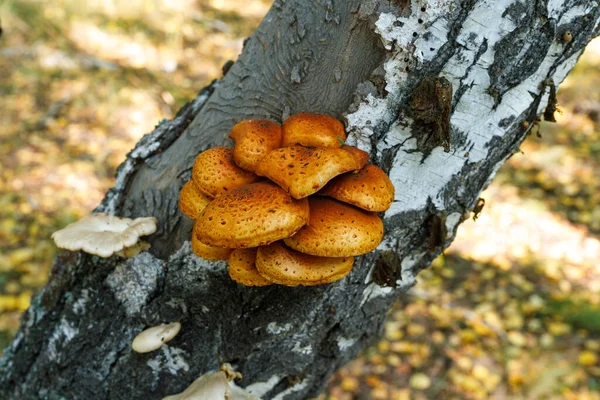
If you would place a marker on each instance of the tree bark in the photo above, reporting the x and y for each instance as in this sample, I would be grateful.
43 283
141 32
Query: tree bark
355 60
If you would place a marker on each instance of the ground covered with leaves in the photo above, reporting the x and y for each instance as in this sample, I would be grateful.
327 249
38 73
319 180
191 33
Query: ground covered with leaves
511 311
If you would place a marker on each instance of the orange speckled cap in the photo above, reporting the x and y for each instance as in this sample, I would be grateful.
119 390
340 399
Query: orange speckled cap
361 156
250 216
254 139
215 173
282 265
313 130
336 229
242 268
208 252
302 171
370 189
191 200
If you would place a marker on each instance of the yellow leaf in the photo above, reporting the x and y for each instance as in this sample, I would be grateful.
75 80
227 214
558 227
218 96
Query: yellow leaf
437 337
420 381
470 384
464 363
350 384
403 347
393 360
8 303
480 372
587 358
468 336
517 339
23 301
593 345
383 346
415 329
19 256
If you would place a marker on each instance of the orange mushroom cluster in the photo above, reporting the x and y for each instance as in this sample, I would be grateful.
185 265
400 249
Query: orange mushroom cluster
289 205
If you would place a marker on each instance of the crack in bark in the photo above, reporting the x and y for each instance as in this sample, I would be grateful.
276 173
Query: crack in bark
462 87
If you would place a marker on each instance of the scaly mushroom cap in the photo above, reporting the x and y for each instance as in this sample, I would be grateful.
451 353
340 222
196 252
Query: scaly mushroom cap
313 130
191 200
302 171
370 189
215 173
362 157
280 264
207 252
337 230
254 139
242 268
251 216
102 234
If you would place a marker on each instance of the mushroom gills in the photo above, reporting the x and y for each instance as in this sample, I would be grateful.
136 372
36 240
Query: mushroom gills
285 266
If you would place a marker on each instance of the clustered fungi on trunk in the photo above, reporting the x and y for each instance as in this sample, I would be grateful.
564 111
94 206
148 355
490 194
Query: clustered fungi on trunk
289 205
359 61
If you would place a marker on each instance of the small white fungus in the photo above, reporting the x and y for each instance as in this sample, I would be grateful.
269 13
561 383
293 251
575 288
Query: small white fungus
216 385
104 235
153 338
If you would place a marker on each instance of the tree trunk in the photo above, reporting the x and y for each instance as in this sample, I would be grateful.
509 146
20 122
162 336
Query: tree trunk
356 60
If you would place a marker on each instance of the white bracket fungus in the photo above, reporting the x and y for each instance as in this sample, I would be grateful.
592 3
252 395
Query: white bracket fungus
104 235
217 385
153 338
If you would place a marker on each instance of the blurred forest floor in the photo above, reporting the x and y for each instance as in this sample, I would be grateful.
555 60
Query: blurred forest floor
511 312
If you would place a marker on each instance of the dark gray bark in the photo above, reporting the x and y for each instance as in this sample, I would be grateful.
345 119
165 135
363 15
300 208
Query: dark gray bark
321 56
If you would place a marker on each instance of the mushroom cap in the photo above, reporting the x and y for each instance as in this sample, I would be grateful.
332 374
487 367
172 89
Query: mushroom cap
215 173
336 229
102 234
207 252
370 189
191 200
313 130
208 386
361 156
250 216
242 268
153 338
254 139
280 264
216 385
302 171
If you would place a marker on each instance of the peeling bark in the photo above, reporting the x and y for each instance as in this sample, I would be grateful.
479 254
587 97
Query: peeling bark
357 60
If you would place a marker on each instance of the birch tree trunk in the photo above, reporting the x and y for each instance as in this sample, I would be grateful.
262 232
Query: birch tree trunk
358 60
